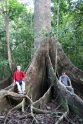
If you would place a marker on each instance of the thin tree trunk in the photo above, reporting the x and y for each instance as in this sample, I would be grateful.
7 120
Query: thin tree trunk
8 36
5 12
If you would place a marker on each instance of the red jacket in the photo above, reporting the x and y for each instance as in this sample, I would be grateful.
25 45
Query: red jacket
18 75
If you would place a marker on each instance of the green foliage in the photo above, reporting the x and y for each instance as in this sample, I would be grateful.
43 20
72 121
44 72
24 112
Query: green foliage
70 29
12 8
3 62
4 70
2 29
70 32
22 39
21 36
15 9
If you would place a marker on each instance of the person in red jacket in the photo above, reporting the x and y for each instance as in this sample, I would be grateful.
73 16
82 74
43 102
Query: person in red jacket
18 78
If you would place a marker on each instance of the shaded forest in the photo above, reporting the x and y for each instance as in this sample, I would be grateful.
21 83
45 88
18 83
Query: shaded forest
44 58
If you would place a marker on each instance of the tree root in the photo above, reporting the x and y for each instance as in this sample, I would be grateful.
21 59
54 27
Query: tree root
34 119
16 95
20 105
34 109
58 106
69 120
64 115
61 118
25 116
31 105
39 111
23 104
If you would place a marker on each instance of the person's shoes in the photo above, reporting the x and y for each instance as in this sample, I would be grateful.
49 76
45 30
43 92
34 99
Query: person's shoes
20 92
24 93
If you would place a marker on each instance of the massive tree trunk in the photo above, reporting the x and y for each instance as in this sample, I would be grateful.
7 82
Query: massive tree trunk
41 78
42 20
74 102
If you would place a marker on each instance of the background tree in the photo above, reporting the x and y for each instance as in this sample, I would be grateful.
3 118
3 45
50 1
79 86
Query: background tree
22 38
69 29
21 30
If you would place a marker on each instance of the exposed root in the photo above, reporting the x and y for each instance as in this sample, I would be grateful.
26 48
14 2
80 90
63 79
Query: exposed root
23 104
61 118
58 106
16 95
25 116
16 107
34 119
19 97
20 105
64 115
56 97
69 120
39 111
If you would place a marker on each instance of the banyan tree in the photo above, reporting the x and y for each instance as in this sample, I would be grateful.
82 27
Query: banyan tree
45 68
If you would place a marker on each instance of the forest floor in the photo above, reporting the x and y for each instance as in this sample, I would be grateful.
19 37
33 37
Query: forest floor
14 117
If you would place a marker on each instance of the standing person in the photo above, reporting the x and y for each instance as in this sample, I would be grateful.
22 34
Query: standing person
65 80
18 78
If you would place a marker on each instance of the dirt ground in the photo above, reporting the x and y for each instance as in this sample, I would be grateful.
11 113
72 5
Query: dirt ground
15 116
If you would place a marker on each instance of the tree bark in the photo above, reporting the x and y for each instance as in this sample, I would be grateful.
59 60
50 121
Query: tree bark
5 12
40 76
42 20
74 102
64 64
36 73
